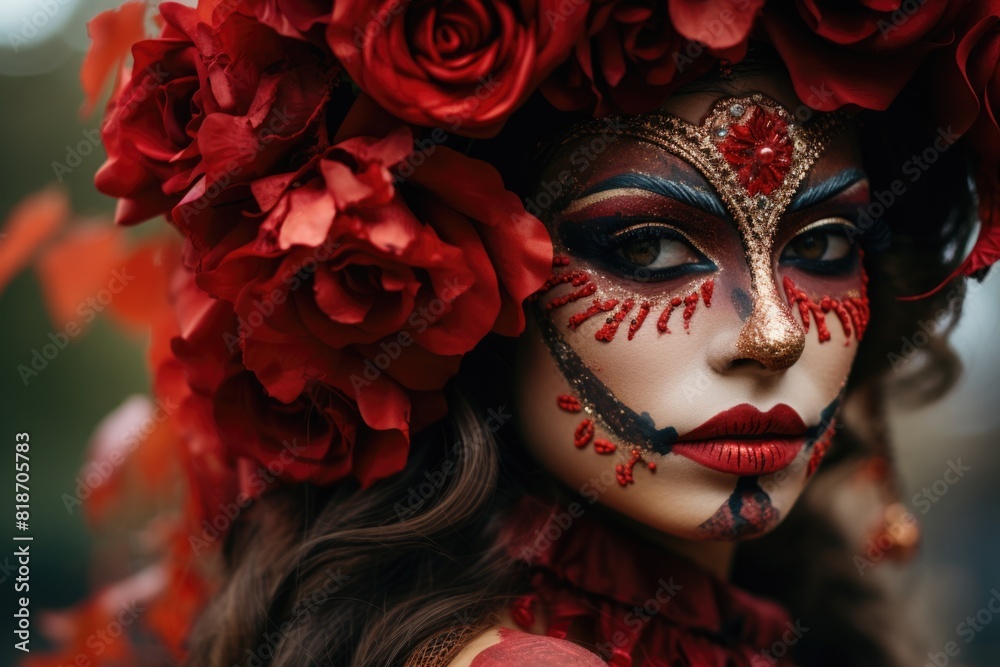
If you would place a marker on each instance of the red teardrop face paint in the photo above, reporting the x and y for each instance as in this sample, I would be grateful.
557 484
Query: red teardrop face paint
684 360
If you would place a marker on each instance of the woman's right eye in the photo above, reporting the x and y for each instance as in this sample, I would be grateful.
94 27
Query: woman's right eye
644 250
650 250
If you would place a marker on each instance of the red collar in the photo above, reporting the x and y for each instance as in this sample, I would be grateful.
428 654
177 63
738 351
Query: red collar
644 607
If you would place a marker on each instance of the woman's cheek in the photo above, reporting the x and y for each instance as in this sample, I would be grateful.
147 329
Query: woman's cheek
828 305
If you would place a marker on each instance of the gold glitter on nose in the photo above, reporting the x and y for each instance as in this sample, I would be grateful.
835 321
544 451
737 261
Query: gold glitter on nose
771 336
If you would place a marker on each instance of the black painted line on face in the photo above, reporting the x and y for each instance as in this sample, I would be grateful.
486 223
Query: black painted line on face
604 406
743 485
826 418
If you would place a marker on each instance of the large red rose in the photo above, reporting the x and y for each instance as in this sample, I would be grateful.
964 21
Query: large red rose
966 83
855 52
634 53
317 436
209 105
464 65
967 77
375 286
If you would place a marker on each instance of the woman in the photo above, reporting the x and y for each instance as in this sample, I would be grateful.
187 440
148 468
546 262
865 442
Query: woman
444 426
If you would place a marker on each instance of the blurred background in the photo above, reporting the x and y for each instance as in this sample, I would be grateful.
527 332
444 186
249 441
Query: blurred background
42 43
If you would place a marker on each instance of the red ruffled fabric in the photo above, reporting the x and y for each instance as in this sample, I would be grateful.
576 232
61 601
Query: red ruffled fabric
642 606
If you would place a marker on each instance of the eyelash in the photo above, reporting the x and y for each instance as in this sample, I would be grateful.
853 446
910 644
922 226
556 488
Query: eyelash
830 267
599 238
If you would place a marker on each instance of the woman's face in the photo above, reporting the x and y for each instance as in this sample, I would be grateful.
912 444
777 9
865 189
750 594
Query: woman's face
684 366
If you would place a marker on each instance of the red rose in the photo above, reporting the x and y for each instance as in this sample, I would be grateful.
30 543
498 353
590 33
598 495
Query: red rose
718 24
855 52
966 85
465 65
301 19
375 287
317 436
967 77
634 54
206 106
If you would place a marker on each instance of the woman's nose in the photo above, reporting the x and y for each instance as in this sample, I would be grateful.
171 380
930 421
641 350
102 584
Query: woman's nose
770 335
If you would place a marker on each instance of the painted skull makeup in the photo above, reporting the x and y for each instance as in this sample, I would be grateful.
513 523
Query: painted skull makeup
684 237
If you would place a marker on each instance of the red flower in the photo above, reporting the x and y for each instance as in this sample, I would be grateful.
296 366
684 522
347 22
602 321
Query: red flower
353 288
759 150
301 19
855 52
718 24
967 81
634 52
207 105
464 65
316 436
966 85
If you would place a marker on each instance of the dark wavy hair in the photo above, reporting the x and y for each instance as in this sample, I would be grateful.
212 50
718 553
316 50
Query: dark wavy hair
344 577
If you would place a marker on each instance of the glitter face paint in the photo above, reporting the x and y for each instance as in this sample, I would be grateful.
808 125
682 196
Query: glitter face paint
620 308
649 354
851 310
599 402
755 155
756 191
584 435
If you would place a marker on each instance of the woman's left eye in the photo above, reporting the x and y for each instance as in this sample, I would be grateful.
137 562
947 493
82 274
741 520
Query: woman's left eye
825 249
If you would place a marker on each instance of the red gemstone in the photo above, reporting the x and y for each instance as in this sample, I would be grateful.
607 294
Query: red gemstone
765 155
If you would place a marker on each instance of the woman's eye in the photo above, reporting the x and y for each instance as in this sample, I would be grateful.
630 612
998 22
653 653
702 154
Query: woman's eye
656 253
642 250
824 249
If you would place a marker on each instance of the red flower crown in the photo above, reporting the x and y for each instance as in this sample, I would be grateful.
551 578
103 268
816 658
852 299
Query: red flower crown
340 258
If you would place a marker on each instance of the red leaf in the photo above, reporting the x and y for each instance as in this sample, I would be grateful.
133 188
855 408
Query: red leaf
36 218
132 456
78 274
112 33
148 268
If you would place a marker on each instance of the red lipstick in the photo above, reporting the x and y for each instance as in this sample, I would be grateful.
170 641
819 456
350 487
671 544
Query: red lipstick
745 441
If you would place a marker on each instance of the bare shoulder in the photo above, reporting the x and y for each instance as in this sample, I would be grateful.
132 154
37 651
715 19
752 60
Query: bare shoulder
502 647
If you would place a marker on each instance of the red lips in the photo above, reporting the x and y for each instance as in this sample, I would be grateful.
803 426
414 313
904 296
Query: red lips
745 441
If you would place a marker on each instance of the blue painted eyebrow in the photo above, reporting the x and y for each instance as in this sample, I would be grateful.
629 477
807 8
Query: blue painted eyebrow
828 188
682 192
706 201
